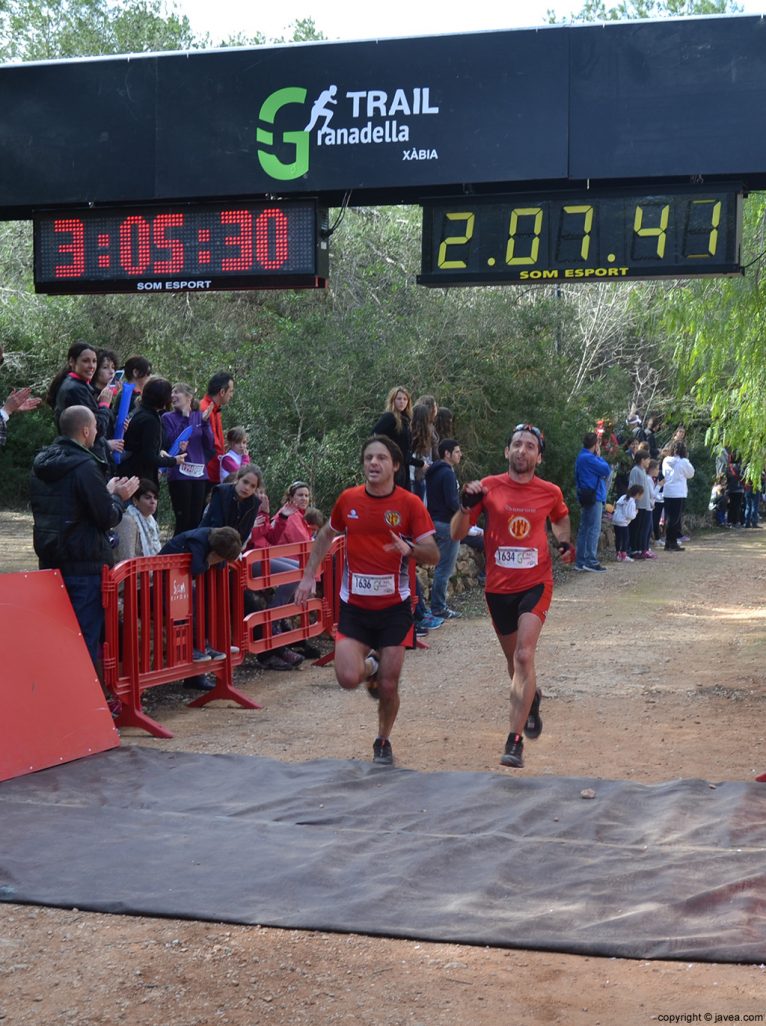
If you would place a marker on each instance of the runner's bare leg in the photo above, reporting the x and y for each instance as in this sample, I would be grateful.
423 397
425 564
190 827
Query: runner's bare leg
391 662
519 650
350 667
351 670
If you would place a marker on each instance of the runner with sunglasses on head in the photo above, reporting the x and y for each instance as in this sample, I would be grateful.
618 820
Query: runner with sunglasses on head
519 586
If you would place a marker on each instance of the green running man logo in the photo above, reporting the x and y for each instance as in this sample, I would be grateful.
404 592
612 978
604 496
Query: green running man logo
270 162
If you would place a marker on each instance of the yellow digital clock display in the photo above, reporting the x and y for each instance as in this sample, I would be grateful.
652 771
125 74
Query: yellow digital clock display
589 236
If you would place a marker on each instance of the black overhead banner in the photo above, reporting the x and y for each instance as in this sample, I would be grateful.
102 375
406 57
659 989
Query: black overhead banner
390 121
675 97
390 115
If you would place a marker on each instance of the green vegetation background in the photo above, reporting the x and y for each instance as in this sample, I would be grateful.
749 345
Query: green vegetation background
312 369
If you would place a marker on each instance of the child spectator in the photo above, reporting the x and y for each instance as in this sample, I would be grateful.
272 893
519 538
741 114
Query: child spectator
207 547
717 504
658 513
236 504
641 526
624 513
315 520
138 533
237 455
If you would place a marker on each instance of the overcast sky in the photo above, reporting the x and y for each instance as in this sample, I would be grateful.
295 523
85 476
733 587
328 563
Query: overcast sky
341 19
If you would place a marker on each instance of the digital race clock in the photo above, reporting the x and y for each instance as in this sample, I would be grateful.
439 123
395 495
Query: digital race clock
153 250
584 236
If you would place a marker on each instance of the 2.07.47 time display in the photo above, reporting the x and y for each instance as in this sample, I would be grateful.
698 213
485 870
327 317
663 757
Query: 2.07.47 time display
588 236
182 248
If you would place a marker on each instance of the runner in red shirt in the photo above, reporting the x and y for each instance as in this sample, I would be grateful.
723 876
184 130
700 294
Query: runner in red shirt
384 526
519 585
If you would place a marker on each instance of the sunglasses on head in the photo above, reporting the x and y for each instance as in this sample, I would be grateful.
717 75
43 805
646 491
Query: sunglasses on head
532 430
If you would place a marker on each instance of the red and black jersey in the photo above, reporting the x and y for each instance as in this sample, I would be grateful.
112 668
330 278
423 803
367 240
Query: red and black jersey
515 535
375 577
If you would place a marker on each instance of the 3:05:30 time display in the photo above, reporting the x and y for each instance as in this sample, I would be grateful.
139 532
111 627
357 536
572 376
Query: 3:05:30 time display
587 236
193 247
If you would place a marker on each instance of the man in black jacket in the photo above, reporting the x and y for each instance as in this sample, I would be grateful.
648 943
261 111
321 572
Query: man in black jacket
74 508
443 502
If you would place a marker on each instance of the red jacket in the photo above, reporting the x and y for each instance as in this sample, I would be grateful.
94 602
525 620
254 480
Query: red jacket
289 529
216 425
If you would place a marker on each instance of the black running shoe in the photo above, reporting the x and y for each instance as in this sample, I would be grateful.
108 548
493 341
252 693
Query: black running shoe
533 728
514 751
371 682
382 753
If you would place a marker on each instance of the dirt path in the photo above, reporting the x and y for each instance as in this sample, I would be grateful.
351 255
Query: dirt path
651 672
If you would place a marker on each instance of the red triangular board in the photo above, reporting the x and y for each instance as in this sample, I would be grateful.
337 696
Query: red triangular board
52 708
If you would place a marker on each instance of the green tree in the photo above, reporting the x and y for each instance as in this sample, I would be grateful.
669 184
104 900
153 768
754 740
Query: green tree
719 330
633 10
87 28
303 30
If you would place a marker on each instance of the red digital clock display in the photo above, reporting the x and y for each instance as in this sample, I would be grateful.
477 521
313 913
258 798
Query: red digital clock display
190 248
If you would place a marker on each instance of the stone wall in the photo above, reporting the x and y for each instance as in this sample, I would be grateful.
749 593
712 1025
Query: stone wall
468 575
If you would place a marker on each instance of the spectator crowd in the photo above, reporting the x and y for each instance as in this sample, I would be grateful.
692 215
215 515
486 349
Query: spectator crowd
640 484
121 431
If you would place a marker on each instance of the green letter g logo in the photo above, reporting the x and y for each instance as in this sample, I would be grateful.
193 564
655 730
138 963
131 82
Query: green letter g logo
270 163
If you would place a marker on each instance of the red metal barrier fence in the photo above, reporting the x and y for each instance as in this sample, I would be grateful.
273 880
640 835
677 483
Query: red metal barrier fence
156 614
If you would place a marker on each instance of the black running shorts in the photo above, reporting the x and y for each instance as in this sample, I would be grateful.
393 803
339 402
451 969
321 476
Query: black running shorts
505 609
377 628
